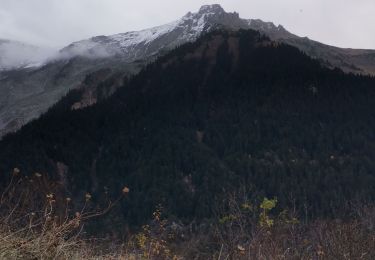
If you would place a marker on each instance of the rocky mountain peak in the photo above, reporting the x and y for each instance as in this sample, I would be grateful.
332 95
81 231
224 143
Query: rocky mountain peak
215 8
213 15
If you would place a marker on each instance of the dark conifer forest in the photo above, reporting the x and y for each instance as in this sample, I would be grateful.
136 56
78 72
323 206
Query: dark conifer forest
232 111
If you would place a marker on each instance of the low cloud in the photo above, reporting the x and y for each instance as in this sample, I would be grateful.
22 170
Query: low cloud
16 54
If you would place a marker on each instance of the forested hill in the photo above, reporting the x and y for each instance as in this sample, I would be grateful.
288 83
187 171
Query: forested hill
230 111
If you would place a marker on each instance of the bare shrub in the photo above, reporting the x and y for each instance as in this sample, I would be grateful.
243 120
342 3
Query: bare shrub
38 222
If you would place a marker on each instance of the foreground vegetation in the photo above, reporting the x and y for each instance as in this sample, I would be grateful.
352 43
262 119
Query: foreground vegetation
38 221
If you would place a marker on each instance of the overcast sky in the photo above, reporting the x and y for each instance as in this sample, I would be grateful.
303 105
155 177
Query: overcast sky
56 23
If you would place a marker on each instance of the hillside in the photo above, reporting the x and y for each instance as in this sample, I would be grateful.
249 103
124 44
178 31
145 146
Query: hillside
36 84
231 111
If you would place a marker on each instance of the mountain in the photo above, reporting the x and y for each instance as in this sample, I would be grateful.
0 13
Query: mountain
137 45
26 93
231 112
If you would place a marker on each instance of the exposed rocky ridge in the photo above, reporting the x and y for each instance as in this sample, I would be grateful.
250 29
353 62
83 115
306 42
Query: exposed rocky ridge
137 45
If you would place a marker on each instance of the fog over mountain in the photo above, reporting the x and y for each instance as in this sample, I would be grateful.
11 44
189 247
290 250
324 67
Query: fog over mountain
14 54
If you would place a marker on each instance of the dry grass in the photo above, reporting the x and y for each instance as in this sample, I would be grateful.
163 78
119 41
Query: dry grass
38 222
242 233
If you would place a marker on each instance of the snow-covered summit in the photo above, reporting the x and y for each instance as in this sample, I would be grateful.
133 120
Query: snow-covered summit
135 45
142 44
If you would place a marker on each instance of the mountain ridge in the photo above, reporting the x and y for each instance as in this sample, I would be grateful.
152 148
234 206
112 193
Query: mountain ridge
27 93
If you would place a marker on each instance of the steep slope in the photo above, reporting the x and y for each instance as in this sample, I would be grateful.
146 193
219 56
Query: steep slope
232 111
27 93
349 60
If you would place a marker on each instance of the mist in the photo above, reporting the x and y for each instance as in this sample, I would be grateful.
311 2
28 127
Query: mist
16 54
